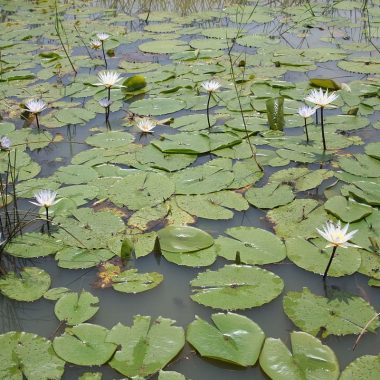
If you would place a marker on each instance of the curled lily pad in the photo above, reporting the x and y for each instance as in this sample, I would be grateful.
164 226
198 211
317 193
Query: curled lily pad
84 344
341 314
184 239
29 285
26 355
310 359
236 287
234 339
74 308
145 347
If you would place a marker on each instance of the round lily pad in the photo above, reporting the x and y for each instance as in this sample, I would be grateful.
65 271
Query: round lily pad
236 287
183 239
84 344
347 210
110 139
26 355
202 258
29 285
366 367
74 308
234 339
157 106
130 281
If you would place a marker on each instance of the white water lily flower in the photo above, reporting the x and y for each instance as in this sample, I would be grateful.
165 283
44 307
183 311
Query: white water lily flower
96 44
105 102
45 198
336 235
145 124
5 143
108 79
211 85
306 111
320 98
102 36
35 106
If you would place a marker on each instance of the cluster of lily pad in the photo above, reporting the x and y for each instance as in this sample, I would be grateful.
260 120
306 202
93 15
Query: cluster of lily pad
121 198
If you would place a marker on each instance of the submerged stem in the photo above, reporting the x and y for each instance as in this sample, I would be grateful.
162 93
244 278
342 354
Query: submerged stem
330 261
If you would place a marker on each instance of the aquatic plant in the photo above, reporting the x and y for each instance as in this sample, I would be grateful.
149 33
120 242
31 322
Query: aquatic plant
36 106
211 87
102 37
145 124
305 112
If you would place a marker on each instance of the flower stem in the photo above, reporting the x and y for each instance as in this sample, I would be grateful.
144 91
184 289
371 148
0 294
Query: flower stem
208 111
104 55
109 93
47 220
307 134
38 123
323 130
330 261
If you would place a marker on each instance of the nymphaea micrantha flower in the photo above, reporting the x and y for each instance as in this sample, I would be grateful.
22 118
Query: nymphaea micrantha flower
321 99
96 44
336 235
306 111
108 79
5 143
35 106
146 125
211 85
102 36
45 198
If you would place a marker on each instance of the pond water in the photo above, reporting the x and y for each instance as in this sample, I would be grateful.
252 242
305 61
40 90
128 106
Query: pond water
257 51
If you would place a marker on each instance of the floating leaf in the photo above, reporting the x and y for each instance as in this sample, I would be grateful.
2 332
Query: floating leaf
111 139
346 209
54 294
342 314
84 344
312 256
185 143
130 281
201 258
75 308
254 245
270 196
29 285
26 355
361 164
157 106
145 347
234 339
364 367
182 239
170 375
310 359
327 84
236 287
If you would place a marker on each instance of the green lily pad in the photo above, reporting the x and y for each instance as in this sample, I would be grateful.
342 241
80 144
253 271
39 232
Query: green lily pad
166 47
365 367
33 244
234 339
255 246
372 149
370 264
185 143
141 189
84 344
342 314
360 164
54 294
312 256
109 140
346 209
157 106
364 191
270 196
298 218
29 285
26 355
75 308
145 347
170 375
236 287
201 258
130 281
75 174
212 206
182 239
310 359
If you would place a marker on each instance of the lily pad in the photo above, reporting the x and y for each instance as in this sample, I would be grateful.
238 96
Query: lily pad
347 210
157 106
29 285
312 256
366 367
236 287
185 143
130 281
361 164
342 314
75 308
201 258
254 245
26 355
270 196
145 347
234 339
109 140
170 375
184 239
84 344
310 359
